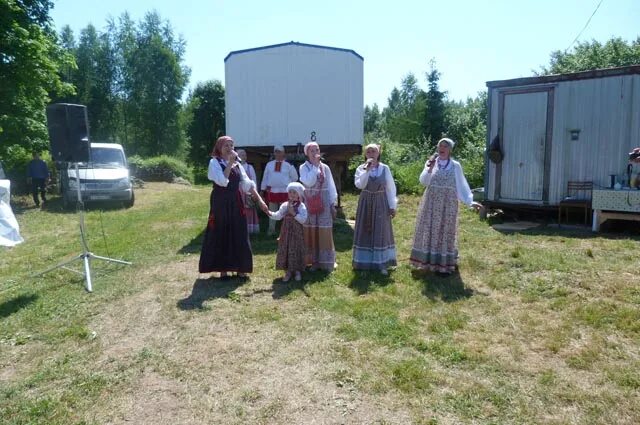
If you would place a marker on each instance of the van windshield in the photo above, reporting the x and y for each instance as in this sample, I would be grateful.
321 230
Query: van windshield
107 157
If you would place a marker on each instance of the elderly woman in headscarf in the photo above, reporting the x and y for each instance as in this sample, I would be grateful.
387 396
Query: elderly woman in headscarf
320 198
291 247
226 247
373 244
435 243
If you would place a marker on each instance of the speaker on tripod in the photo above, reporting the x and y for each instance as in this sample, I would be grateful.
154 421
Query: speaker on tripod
68 127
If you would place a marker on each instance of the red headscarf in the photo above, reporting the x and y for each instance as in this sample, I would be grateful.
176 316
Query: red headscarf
217 148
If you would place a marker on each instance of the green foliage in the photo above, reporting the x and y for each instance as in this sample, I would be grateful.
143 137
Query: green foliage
161 168
405 112
205 119
433 123
131 79
15 161
414 120
30 60
594 55
372 118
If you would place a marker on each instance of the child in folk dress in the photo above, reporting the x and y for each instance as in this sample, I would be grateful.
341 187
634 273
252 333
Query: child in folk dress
291 248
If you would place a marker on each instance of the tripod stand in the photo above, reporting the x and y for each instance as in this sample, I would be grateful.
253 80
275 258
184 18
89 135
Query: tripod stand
85 255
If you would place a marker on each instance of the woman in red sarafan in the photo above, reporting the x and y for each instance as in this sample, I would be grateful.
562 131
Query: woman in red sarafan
226 247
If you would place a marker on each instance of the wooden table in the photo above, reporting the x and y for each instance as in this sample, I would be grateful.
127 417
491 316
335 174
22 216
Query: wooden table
614 204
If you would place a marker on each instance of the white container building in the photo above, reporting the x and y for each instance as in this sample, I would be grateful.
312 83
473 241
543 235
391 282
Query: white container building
560 128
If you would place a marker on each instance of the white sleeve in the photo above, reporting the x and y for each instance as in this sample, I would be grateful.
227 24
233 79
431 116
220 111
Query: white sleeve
308 175
390 189
462 187
265 177
425 176
293 174
246 184
251 172
331 185
362 177
215 173
282 211
301 217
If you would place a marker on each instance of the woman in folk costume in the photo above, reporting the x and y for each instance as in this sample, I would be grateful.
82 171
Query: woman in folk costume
226 246
435 243
291 241
373 244
320 199
250 213
277 175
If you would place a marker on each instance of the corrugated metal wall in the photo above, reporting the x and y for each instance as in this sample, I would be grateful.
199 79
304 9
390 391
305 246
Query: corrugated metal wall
280 95
605 110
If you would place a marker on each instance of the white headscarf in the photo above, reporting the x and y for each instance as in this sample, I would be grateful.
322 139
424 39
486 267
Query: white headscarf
308 145
298 187
448 141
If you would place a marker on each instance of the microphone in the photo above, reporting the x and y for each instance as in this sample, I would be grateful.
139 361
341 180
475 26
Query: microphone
368 163
238 159
433 158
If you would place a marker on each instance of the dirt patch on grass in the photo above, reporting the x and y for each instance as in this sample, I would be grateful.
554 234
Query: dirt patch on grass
247 358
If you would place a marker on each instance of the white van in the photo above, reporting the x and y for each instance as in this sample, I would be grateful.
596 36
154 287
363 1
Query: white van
105 178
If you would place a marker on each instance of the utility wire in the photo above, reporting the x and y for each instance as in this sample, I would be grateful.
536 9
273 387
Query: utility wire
584 28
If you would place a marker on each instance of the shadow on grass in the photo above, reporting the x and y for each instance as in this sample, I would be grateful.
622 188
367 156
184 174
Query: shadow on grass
207 289
282 289
363 281
9 307
194 245
448 288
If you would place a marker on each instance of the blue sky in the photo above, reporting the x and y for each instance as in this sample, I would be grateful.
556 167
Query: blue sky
471 41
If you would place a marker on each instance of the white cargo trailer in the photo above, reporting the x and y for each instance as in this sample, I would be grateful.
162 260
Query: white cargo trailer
283 94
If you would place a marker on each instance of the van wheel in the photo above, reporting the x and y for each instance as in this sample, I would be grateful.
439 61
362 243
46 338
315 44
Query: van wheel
129 204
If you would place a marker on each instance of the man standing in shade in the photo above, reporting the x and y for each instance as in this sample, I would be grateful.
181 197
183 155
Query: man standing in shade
277 175
38 175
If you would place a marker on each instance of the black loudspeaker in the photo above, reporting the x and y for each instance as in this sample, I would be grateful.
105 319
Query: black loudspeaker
68 132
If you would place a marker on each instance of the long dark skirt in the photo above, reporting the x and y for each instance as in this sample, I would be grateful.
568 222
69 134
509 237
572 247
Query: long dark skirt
226 246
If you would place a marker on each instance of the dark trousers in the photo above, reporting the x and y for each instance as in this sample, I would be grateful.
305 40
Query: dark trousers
38 184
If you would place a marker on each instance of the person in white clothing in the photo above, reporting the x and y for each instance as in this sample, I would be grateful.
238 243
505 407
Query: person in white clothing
277 175
320 199
373 243
291 249
435 242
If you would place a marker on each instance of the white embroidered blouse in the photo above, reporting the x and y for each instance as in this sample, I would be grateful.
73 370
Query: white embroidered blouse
216 175
362 178
462 186
309 175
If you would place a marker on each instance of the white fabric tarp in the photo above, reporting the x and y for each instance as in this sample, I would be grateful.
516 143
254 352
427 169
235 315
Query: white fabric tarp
9 228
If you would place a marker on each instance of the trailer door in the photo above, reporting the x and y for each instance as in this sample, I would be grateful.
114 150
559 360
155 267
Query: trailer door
525 143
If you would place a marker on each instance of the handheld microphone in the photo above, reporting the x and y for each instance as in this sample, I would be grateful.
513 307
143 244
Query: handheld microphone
238 159
433 158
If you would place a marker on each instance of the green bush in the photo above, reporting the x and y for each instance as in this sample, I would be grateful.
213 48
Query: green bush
161 168
406 162
15 164
200 175
473 167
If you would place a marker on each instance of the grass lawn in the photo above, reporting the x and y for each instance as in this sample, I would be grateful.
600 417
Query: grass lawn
540 326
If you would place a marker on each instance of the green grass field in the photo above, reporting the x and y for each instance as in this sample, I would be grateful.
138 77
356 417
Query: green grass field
540 326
